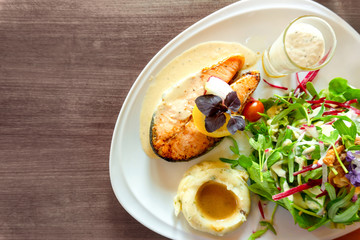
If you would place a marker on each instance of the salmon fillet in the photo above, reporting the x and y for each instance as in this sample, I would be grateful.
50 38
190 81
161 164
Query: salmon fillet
245 86
173 135
226 70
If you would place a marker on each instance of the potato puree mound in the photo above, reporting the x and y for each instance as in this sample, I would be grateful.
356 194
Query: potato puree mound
213 197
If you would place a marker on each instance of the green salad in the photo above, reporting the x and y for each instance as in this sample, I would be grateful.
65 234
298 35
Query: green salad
306 155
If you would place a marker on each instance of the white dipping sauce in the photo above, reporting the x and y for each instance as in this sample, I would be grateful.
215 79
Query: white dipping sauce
305 44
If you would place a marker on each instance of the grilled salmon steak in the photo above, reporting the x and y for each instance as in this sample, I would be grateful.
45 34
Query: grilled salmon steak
173 134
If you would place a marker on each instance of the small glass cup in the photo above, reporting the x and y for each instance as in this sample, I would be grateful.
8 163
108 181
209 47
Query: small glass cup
280 59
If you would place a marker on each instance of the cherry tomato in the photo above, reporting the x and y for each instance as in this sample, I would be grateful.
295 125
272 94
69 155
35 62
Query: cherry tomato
252 109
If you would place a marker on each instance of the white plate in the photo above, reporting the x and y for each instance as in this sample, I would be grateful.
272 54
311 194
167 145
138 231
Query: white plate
146 187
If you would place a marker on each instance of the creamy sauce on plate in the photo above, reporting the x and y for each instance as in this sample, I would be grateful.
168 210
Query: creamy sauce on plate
186 65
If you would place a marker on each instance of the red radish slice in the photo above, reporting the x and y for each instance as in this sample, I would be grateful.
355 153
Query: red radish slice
275 86
261 210
311 183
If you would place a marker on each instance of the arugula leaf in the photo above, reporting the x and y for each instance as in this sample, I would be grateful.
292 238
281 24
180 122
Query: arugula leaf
268 103
259 189
234 163
348 134
335 205
348 213
319 224
258 127
257 234
331 117
316 153
282 99
263 115
306 211
353 148
303 220
331 191
320 113
273 158
268 225
311 90
268 183
285 112
242 160
245 162
235 147
334 135
287 134
297 107
314 174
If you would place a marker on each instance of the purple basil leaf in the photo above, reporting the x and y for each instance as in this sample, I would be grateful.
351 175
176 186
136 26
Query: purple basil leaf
209 105
232 101
236 123
213 123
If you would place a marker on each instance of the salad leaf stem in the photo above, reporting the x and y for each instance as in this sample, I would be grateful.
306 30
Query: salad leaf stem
334 170
339 160
305 211
273 213
261 161
282 99
319 224
267 224
331 191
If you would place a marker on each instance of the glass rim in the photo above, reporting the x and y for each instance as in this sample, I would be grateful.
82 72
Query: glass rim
330 52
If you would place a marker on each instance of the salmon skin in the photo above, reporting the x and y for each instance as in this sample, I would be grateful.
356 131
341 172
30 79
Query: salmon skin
173 134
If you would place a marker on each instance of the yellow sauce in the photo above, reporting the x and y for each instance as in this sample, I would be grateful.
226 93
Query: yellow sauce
186 65
215 201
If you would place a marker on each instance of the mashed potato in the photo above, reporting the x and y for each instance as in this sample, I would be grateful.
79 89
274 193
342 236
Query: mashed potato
213 197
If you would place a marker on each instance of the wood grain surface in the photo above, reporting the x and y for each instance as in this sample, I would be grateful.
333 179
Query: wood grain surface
65 70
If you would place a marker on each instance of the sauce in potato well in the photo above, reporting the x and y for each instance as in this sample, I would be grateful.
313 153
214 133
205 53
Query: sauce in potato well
216 201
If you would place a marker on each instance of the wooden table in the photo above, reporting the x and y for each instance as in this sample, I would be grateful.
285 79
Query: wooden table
65 70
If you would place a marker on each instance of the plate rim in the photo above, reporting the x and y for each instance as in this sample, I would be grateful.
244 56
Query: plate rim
138 211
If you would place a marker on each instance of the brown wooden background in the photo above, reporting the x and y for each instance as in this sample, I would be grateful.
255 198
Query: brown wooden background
65 69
